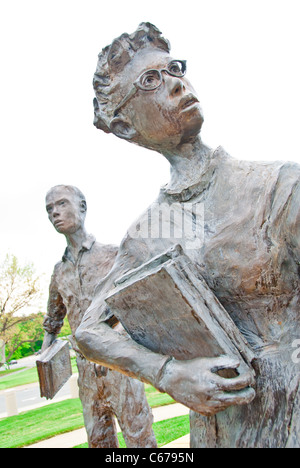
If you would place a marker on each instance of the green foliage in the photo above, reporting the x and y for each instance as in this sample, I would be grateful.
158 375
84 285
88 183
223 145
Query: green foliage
66 329
28 337
19 291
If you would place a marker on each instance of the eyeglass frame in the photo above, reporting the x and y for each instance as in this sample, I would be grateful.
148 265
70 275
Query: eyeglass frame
137 85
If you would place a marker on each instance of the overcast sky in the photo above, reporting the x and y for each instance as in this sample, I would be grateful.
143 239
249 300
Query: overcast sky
243 61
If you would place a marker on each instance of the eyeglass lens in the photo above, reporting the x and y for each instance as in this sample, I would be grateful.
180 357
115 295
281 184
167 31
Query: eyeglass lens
151 79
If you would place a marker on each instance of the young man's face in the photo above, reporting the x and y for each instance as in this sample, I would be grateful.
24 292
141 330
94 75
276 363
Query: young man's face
65 210
166 116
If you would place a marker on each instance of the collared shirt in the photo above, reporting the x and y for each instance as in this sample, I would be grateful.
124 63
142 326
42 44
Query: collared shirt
73 283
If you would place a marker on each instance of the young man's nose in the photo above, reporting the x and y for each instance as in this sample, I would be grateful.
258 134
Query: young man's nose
55 212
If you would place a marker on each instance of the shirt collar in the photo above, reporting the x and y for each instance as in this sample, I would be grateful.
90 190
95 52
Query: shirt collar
193 191
86 245
89 242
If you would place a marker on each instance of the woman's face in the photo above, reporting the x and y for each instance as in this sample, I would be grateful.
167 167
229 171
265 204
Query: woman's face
163 117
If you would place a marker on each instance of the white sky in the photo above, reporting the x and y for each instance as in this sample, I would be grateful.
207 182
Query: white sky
243 61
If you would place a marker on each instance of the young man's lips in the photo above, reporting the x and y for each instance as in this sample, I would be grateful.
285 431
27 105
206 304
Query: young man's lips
57 223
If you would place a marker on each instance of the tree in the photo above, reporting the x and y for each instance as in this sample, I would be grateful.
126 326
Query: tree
28 337
19 291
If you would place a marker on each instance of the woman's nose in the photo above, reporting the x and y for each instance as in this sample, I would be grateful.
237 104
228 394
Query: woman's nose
175 85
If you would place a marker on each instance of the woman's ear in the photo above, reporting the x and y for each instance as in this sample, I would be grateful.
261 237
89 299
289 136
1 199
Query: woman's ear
122 129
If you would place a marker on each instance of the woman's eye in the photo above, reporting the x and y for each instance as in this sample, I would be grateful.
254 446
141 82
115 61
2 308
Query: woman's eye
175 69
150 80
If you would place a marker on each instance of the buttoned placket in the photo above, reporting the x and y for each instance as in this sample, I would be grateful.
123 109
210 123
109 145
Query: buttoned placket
77 266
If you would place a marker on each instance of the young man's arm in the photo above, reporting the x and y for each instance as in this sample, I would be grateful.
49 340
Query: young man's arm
56 312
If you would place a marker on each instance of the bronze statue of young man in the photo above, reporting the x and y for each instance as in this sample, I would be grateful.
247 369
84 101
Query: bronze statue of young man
249 256
103 393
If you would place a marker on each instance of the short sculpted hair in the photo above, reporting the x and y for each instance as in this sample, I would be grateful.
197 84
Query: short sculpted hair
70 188
112 61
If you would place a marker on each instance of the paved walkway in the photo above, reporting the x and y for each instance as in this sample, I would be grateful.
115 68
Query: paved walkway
182 442
71 439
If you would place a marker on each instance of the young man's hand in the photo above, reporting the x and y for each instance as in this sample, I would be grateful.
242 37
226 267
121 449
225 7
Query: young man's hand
49 338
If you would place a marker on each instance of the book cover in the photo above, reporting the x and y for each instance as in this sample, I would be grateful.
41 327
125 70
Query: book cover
54 368
166 306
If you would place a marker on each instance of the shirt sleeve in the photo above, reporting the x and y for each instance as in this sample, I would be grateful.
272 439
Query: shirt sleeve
56 310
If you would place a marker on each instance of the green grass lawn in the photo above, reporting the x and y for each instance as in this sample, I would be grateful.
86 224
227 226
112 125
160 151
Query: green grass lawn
26 377
41 423
155 398
165 431
57 418
11 371
171 429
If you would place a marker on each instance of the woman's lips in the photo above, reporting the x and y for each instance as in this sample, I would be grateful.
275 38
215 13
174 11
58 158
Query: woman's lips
187 102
